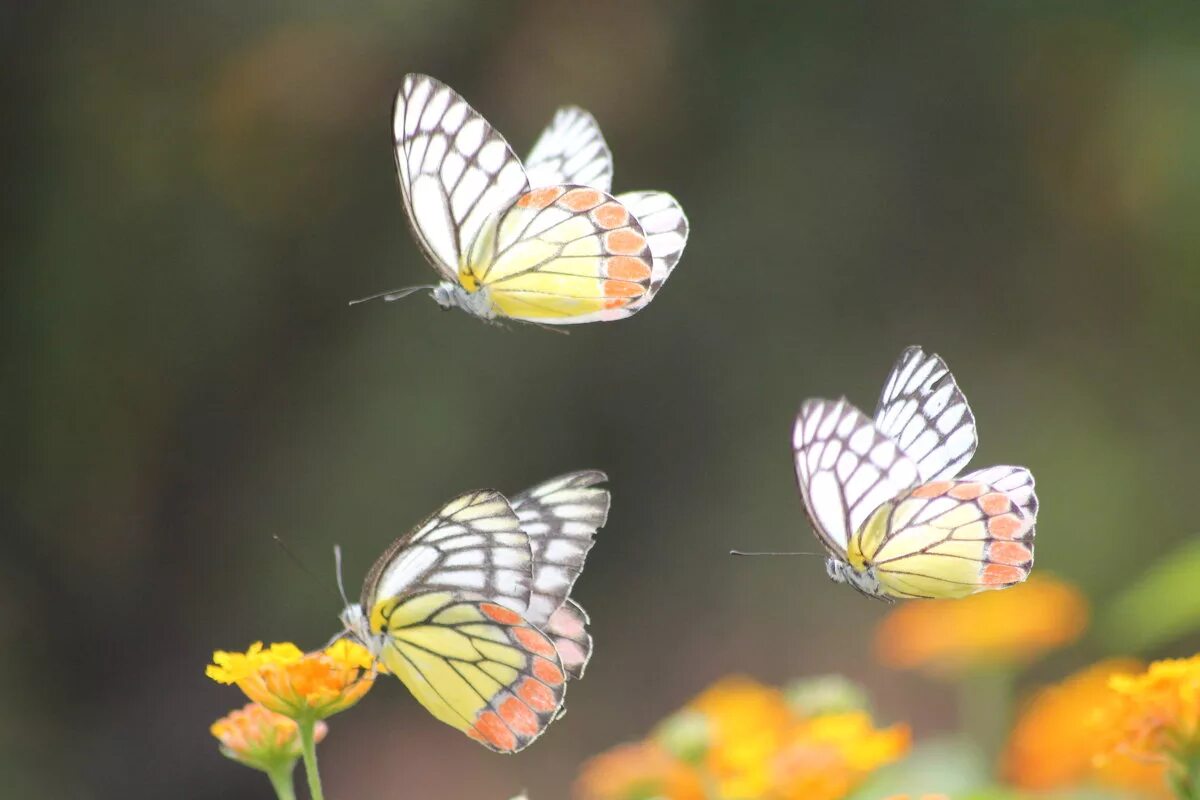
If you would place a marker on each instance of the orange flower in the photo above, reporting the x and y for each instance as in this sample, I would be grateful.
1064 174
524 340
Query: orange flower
637 771
303 686
1060 729
1156 716
1013 626
826 757
260 738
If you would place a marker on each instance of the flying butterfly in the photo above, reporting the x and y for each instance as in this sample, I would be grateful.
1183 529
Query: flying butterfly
543 242
471 609
885 497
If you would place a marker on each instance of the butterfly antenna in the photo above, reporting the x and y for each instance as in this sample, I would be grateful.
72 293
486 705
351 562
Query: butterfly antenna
392 294
744 553
337 563
292 556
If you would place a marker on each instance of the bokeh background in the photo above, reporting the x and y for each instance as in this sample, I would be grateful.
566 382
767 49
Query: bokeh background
194 191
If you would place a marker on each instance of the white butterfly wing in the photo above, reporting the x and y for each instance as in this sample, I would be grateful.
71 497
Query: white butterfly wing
666 228
925 412
561 517
846 468
571 151
456 171
474 545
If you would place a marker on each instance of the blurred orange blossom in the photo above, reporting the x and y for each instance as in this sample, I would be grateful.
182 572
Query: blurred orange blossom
1007 627
1060 729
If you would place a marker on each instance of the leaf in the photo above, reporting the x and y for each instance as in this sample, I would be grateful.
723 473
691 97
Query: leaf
950 766
1161 606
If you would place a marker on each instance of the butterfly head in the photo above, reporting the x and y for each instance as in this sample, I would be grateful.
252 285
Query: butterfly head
356 625
452 295
865 581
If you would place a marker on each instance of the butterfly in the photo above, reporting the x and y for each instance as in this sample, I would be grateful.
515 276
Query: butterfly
542 242
471 609
885 497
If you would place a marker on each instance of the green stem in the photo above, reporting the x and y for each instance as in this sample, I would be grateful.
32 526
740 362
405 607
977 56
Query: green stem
1184 778
985 708
309 751
281 779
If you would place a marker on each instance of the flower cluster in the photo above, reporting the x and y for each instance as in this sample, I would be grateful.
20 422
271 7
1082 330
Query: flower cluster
260 738
741 738
292 691
297 684
1062 729
1153 718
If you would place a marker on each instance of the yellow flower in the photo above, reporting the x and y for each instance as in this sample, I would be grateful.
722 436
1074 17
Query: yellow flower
1060 729
826 757
303 686
748 725
1012 626
742 739
260 738
637 772
918 797
1156 717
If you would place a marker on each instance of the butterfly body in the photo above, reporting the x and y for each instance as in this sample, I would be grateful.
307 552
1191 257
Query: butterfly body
542 241
885 497
471 609
453 295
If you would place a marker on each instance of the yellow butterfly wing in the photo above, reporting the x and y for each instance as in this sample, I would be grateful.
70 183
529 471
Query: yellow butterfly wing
952 538
475 665
562 255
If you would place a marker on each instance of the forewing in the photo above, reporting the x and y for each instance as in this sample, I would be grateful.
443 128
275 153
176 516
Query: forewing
475 665
951 538
571 150
666 228
564 255
456 171
561 517
474 544
923 409
846 468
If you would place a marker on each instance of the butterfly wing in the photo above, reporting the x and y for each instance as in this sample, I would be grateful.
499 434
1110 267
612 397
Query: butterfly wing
563 255
475 665
474 544
666 228
846 468
561 517
571 150
567 628
952 538
923 409
456 171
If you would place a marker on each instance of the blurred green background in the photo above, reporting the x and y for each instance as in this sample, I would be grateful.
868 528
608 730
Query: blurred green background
194 191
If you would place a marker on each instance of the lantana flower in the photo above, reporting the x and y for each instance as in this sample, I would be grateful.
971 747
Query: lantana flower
826 757
303 686
260 738
990 629
1156 719
743 739
638 771
1061 727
